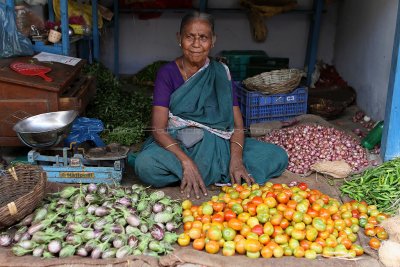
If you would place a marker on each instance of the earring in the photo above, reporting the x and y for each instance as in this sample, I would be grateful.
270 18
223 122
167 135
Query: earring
180 44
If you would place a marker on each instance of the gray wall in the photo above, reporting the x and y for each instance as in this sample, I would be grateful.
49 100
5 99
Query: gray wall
363 50
144 41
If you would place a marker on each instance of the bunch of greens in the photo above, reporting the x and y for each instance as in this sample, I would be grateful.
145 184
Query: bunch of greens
124 113
147 75
98 221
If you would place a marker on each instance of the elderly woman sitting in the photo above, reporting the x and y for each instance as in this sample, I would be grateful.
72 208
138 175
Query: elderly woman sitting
198 137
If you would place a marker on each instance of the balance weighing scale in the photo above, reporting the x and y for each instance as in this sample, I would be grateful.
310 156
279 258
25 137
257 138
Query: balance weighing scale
44 132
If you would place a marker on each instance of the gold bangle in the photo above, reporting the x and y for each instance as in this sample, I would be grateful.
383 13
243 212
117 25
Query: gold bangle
237 144
171 145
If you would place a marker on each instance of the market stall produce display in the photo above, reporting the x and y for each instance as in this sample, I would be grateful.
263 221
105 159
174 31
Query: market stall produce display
98 221
275 220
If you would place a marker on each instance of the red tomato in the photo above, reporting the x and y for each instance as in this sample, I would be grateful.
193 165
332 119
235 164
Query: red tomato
284 223
302 186
218 206
277 186
325 198
235 224
217 218
258 229
282 198
252 209
257 200
199 243
229 214
291 204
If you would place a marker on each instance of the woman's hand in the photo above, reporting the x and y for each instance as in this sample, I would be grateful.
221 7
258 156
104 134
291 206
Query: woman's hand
191 180
238 172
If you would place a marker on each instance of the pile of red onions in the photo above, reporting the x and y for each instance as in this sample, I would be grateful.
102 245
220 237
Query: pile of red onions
308 144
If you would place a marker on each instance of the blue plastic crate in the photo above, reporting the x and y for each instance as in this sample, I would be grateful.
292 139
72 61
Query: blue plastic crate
257 107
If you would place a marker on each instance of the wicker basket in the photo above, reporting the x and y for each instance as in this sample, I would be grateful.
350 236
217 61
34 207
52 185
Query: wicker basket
326 108
274 82
21 190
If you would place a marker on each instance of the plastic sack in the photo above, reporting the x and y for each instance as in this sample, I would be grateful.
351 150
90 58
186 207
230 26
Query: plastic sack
12 42
85 129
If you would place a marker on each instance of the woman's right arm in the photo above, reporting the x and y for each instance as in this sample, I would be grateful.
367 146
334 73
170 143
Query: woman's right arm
191 179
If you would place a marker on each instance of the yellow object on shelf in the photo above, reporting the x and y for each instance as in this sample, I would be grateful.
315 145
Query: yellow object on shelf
76 9
78 29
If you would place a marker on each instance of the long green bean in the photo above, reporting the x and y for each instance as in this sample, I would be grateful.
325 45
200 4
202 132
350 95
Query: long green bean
378 186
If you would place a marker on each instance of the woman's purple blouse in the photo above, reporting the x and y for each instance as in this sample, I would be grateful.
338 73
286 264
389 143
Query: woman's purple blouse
168 80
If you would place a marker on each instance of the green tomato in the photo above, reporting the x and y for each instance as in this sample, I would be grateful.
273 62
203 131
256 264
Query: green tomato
294 243
319 224
263 217
253 255
207 209
287 251
362 222
262 208
256 192
340 250
311 234
298 216
316 247
289 230
310 254
228 234
278 252
328 252
237 208
302 207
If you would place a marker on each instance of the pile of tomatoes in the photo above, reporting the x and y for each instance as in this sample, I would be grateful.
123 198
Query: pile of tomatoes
276 220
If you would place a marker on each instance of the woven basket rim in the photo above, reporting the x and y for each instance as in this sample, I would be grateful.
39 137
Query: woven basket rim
25 202
274 82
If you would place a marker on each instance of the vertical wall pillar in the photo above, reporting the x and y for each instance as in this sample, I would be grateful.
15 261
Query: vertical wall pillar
64 27
390 146
95 32
116 38
313 38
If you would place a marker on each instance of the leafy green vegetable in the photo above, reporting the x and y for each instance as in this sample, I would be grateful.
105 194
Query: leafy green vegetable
125 113
147 75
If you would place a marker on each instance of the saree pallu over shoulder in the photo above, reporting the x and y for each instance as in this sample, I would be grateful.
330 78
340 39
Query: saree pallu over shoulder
206 98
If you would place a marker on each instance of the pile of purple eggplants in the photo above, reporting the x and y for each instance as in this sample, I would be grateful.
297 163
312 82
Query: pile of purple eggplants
98 221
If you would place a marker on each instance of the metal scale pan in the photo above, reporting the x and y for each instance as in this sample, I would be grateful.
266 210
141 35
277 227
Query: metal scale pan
45 131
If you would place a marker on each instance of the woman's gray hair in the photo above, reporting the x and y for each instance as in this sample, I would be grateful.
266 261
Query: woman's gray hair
196 15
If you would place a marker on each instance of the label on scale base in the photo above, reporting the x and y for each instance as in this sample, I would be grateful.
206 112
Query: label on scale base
84 175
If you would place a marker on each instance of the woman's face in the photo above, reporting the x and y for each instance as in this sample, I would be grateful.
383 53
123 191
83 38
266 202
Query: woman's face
196 41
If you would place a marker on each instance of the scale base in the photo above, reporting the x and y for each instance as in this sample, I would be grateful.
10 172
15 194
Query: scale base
78 169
